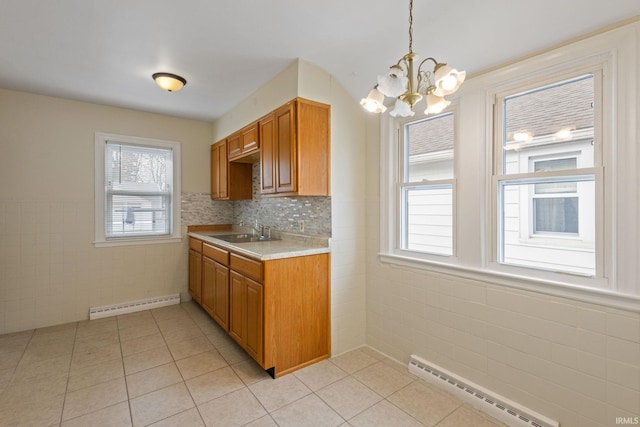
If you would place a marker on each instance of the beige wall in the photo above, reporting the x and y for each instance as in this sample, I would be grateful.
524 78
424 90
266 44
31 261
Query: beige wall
50 272
305 80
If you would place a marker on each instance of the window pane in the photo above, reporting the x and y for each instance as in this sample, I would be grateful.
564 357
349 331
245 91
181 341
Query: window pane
428 219
429 149
137 168
554 165
547 120
551 233
556 215
129 215
138 193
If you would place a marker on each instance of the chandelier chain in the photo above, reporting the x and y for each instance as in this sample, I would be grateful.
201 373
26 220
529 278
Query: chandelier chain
410 26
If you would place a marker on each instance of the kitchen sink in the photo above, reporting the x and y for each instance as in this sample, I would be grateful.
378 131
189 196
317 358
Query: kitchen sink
243 238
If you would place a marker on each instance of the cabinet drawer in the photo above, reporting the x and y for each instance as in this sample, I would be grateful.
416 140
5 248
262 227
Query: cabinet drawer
195 244
216 254
246 266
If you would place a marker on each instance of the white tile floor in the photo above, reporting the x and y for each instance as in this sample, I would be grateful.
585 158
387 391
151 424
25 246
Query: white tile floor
174 366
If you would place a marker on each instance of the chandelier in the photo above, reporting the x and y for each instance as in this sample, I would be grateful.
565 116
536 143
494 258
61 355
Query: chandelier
399 82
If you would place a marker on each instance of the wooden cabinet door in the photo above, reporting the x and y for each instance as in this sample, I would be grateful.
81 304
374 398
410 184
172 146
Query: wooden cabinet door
266 127
223 165
249 138
215 171
208 284
285 150
221 296
254 305
195 274
219 170
237 304
234 144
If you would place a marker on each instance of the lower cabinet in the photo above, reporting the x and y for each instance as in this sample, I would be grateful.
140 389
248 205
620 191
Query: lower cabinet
278 310
245 326
215 291
195 269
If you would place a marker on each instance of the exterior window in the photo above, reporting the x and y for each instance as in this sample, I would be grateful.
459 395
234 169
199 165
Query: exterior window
547 179
555 205
136 188
427 187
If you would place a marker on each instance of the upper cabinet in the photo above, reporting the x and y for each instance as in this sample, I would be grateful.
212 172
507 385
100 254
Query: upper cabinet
229 180
294 158
244 144
291 143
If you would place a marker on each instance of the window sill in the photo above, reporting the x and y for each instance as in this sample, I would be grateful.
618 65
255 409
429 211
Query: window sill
137 241
603 297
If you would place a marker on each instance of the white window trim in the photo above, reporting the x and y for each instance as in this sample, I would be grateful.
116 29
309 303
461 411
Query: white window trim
391 198
617 50
100 239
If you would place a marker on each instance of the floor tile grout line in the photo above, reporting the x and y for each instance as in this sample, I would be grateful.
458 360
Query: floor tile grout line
15 368
124 372
66 387
365 409
397 391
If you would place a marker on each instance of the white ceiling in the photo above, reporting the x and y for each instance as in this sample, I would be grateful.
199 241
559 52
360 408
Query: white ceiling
105 51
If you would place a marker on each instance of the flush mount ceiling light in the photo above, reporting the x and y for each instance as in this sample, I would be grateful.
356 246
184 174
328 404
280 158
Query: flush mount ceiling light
399 82
169 82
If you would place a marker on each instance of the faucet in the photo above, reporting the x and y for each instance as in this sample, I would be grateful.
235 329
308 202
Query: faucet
260 228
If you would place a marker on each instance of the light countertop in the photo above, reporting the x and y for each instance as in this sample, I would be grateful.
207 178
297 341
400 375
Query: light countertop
288 247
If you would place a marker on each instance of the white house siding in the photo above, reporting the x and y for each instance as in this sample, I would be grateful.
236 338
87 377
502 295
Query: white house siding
551 251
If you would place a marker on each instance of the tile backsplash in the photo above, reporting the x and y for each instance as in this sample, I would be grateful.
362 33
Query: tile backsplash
284 213
281 213
199 209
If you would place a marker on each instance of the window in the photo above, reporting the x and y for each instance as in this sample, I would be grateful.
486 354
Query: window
546 178
427 185
555 205
136 187
540 193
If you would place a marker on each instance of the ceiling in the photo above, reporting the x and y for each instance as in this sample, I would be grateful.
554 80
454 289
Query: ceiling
105 51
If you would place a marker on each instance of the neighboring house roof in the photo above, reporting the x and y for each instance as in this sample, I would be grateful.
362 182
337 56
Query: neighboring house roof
547 111
431 135
542 112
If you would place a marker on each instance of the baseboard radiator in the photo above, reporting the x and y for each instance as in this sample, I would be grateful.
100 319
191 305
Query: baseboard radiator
133 306
501 408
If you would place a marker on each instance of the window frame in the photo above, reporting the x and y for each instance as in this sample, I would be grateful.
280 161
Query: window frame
101 191
396 209
602 277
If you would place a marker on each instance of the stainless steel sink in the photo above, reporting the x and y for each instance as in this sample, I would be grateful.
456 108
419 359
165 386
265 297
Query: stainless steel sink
243 238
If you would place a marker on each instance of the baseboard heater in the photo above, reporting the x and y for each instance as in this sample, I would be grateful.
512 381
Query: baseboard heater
133 306
480 398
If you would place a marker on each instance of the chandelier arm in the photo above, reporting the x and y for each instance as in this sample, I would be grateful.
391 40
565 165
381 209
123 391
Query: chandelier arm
435 63
422 76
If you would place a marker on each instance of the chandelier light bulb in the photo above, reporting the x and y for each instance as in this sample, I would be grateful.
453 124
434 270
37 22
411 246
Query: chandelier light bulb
374 102
394 83
435 104
448 79
401 109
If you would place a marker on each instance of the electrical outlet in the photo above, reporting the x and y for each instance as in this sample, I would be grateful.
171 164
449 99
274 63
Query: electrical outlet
301 226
